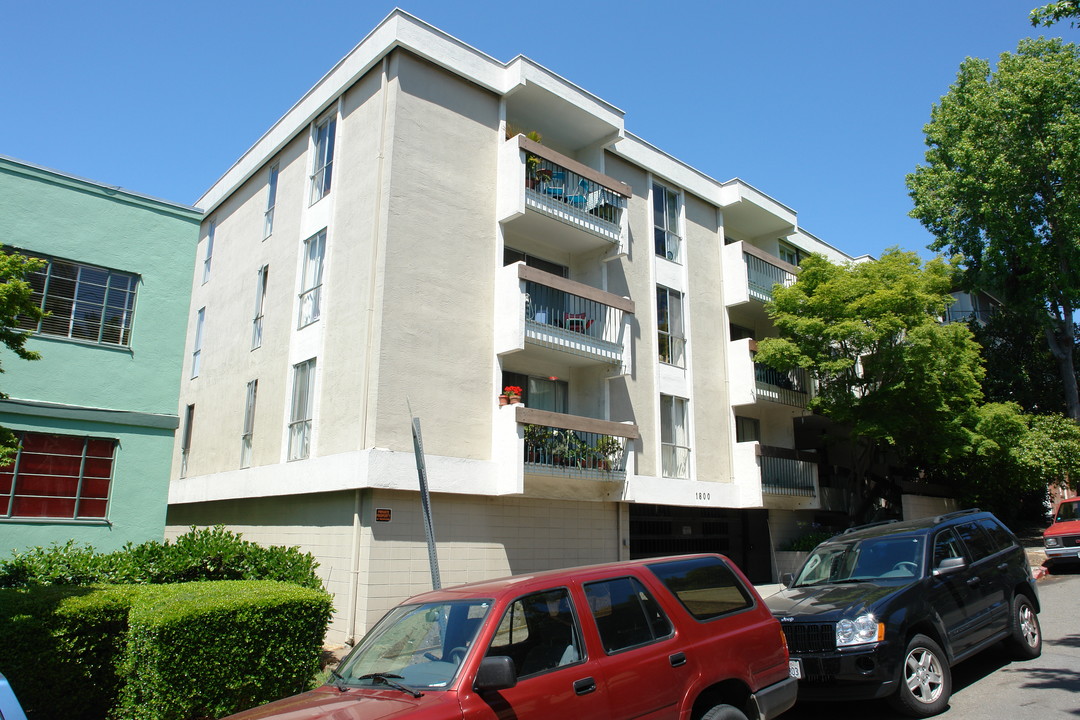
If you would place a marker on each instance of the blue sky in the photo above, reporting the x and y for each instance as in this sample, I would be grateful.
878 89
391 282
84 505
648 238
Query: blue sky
818 104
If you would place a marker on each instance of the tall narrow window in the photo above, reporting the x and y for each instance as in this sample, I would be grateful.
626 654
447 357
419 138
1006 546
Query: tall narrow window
311 280
209 250
300 413
260 303
249 424
323 163
185 439
271 201
747 429
666 223
669 323
196 353
674 437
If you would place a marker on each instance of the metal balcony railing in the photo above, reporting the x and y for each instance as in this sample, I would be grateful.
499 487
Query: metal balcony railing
782 474
788 387
566 192
762 275
553 450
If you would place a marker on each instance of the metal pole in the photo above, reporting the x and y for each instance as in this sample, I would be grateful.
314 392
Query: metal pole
425 501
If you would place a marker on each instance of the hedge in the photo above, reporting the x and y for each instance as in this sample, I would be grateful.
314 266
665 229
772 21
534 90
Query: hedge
159 652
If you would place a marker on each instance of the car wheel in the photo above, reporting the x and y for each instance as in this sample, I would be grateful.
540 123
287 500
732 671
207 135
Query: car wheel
925 679
1026 638
724 712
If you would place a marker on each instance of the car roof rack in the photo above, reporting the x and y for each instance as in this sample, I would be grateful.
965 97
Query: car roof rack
870 525
956 514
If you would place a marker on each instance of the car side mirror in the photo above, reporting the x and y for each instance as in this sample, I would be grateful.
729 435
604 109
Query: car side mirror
495 673
787 579
948 566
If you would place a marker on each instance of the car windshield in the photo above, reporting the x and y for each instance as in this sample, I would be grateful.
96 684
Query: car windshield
420 647
869 560
1068 511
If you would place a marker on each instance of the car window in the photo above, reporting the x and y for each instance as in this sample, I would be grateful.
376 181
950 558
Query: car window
706 587
976 541
626 614
1000 538
539 632
946 546
1068 511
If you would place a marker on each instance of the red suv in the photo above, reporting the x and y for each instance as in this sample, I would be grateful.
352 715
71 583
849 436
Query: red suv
1062 539
681 637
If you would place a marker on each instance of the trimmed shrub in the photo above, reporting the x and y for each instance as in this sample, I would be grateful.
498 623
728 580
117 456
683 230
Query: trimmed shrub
193 650
200 554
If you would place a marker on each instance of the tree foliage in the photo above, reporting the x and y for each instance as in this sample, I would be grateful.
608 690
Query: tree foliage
1055 12
16 299
1001 187
870 335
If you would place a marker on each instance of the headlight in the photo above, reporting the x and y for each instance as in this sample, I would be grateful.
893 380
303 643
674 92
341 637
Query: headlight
1052 541
863 629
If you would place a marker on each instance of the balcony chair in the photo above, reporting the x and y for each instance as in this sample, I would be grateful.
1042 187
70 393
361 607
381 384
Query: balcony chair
556 186
577 322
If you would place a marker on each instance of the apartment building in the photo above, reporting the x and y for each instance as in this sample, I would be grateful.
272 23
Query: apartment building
428 226
96 414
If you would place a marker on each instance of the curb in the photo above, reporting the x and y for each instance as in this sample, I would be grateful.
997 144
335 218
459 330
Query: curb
1039 572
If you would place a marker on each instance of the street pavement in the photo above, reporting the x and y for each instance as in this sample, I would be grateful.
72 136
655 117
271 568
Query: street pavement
991 685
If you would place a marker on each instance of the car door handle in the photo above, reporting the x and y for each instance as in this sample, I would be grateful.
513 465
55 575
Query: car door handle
678 659
974 581
1003 567
584 686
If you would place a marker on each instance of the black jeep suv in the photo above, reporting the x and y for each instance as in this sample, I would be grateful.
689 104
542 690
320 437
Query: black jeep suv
885 610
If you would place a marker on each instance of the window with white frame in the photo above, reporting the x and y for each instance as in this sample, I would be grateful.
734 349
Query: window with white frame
323 157
674 437
249 424
65 477
82 302
196 353
311 278
669 324
300 412
209 250
666 234
271 202
260 302
790 254
185 439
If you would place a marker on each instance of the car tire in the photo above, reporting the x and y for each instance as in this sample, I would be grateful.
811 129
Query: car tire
1025 641
724 712
925 679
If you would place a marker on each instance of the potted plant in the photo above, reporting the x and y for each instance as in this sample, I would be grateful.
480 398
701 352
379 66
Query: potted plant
607 451
537 441
511 394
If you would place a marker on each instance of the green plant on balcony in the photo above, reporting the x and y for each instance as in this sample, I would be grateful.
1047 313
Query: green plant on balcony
538 440
568 449
607 451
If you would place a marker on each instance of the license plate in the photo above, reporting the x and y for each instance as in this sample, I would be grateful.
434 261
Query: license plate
795 668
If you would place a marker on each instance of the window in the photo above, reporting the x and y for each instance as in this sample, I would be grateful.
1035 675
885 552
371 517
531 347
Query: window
666 223
209 250
322 165
66 477
789 254
674 437
83 302
946 546
706 587
626 614
249 424
539 632
1000 538
303 396
549 394
196 353
311 279
669 323
976 541
271 201
260 302
185 439
511 256
747 429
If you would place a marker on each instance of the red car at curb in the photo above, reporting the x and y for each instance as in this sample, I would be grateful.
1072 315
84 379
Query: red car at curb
1062 539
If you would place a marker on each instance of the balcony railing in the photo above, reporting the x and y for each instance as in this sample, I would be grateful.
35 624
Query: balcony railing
568 445
787 387
763 273
787 472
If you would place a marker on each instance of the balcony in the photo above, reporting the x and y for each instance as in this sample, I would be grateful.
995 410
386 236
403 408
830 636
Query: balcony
546 313
752 382
751 274
785 471
570 446
553 198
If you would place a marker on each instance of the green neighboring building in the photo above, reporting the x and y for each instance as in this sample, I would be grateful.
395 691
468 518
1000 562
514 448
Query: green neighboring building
96 414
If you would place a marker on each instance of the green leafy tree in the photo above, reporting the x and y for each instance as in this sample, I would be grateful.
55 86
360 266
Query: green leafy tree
16 299
1001 187
1055 12
885 368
